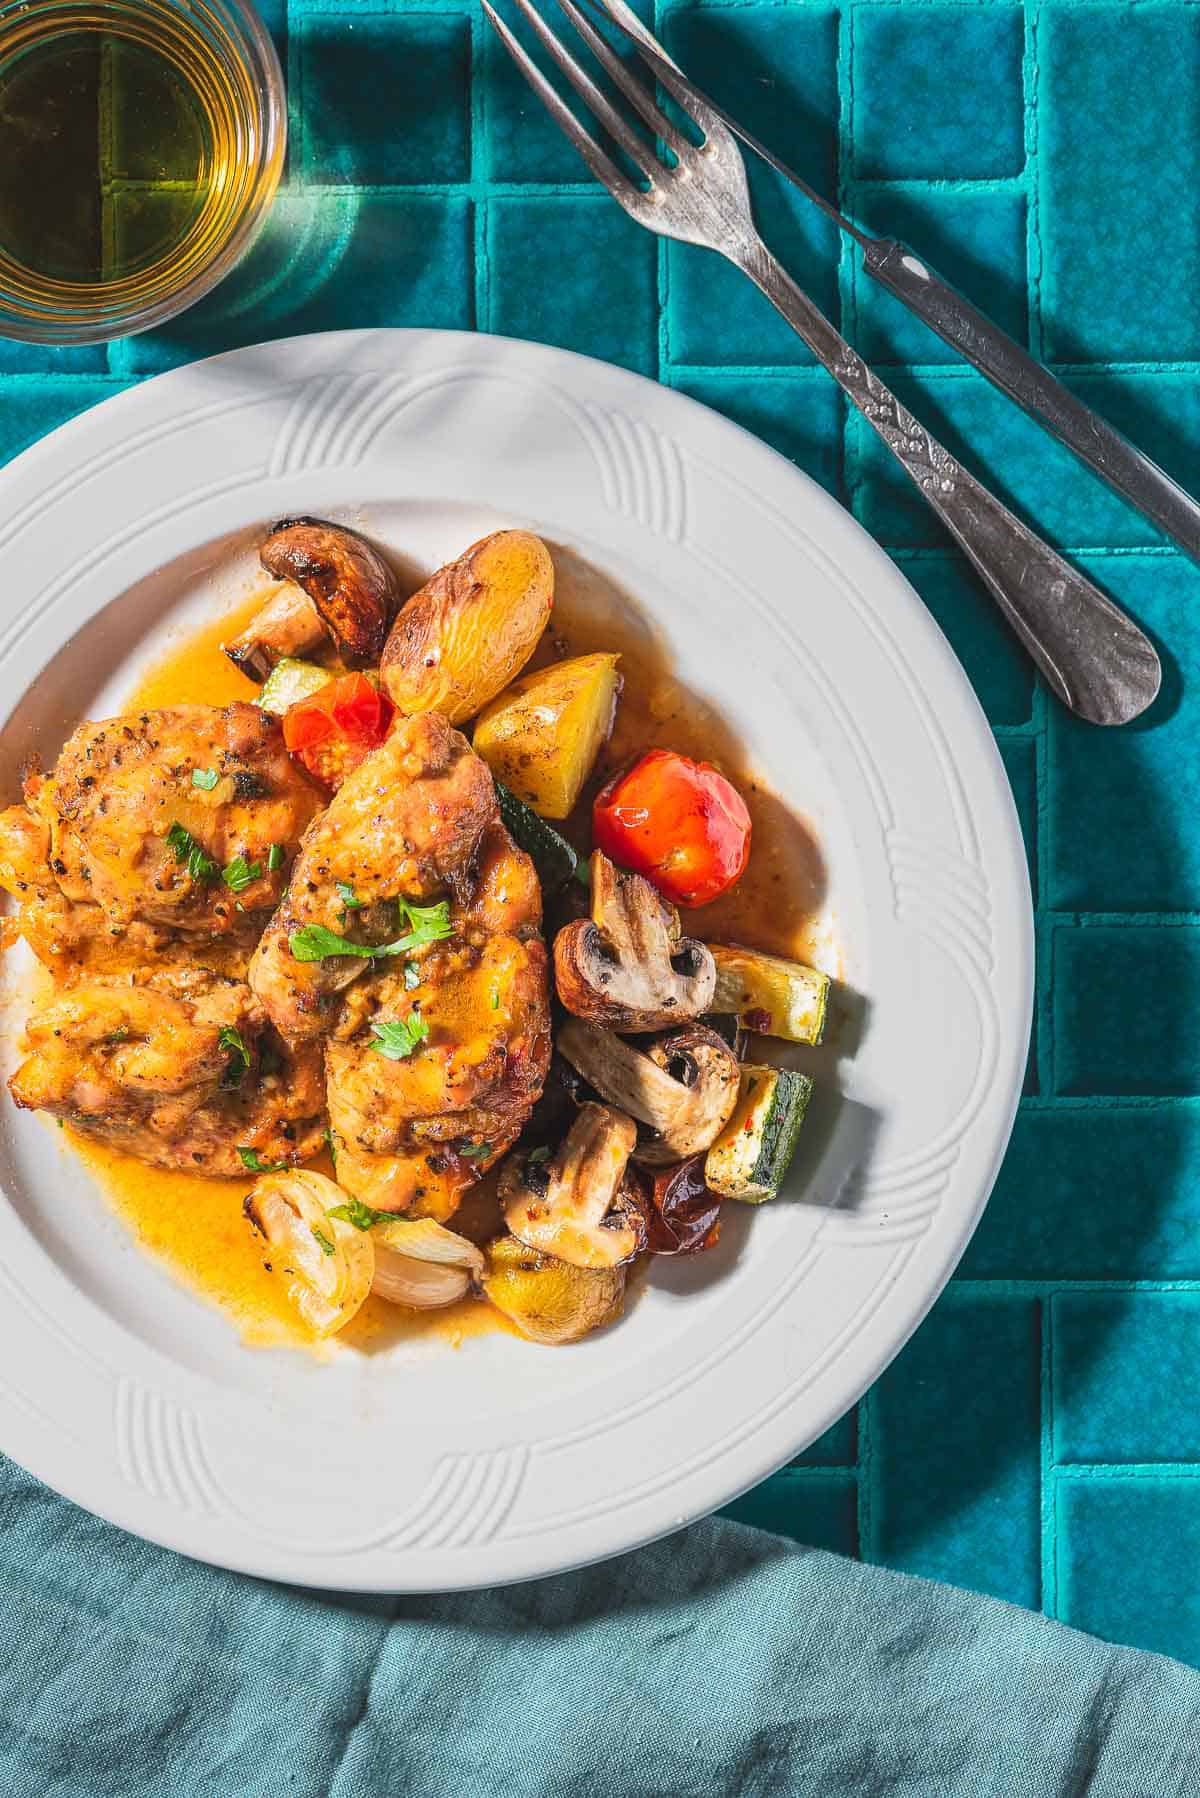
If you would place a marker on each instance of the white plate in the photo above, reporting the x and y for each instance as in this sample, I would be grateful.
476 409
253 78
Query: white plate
429 1469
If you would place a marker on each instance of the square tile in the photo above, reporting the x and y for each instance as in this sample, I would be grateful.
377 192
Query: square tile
775 68
1106 1191
799 414
1125 1006
938 91
998 668
384 97
1122 830
973 237
328 262
521 142
1117 262
956 1448
51 359
838 1447
32 405
1123 1370
1124 1548
606 306
1020 764
818 1509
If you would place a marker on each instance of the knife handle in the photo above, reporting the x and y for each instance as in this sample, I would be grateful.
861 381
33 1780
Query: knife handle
1036 390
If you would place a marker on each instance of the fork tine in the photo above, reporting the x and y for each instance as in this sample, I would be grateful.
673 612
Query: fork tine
618 129
602 166
630 86
661 67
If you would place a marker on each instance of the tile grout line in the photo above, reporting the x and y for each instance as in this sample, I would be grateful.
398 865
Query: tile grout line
1048 1491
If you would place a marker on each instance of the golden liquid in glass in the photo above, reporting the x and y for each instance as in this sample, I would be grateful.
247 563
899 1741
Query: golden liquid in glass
129 150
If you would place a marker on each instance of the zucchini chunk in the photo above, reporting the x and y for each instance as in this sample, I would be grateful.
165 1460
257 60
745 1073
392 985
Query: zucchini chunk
552 856
754 1151
772 996
289 681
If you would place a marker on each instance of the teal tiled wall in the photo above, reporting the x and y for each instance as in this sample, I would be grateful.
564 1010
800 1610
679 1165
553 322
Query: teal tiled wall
1040 1436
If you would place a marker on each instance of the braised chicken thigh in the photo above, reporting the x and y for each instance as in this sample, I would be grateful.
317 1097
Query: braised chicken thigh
179 1068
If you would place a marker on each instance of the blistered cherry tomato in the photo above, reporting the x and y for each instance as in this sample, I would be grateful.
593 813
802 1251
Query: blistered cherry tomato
676 821
334 729
682 1212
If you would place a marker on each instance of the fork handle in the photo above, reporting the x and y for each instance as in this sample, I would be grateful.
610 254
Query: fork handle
1093 655
994 353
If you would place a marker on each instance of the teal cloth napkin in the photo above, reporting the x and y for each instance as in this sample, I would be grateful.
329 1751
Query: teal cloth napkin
720 1663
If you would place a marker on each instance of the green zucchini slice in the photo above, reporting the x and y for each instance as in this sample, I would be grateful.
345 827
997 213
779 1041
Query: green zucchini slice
552 856
291 680
754 1151
772 996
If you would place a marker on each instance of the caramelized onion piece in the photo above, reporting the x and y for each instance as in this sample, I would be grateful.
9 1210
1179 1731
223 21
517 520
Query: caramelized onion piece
329 1264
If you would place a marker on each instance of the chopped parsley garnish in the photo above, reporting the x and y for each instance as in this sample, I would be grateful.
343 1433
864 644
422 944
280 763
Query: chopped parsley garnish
253 1160
274 858
360 1215
232 1042
412 976
331 1145
205 778
475 1151
326 1245
346 893
186 849
430 924
398 1038
119 1035
240 874
495 1001
539 1154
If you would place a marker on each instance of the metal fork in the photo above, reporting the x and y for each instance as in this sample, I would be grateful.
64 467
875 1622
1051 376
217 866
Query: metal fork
1094 657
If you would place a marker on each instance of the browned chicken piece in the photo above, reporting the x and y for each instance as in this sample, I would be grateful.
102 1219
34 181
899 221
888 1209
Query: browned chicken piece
414 1130
179 1068
119 834
406 824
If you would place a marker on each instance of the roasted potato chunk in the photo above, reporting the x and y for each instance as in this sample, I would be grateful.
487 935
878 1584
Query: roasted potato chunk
547 1300
542 735
471 628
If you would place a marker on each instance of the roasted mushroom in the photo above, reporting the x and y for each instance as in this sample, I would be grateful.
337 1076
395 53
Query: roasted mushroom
684 1085
578 1204
547 1300
628 966
340 589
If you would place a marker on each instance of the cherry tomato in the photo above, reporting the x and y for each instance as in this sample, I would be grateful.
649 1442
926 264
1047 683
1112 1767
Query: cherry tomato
682 1213
676 821
333 730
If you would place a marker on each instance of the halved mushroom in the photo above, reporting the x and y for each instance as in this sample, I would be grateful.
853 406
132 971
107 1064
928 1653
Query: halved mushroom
684 1085
546 1299
628 966
578 1205
340 588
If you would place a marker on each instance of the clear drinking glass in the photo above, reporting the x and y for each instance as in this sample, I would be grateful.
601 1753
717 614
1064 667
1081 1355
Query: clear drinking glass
141 143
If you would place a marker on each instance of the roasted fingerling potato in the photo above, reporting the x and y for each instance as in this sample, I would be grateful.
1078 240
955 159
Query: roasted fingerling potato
542 735
471 628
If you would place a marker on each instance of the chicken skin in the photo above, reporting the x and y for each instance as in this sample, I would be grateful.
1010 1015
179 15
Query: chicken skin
161 823
414 1131
179 1068
405 824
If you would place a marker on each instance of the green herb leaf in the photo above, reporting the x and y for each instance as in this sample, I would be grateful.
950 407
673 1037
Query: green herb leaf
119 1035
331 1145
326 1245
539 1154
412 976
475 1151
185 848
315 942
346 894
360 1215
232 1040
430 923
205 778
240 874
274 858
495 1001
250 1158
398 1038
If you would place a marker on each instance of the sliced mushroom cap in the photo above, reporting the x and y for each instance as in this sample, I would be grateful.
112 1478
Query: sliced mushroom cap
578 1204
684 1085
546 1299
340 588
628 966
